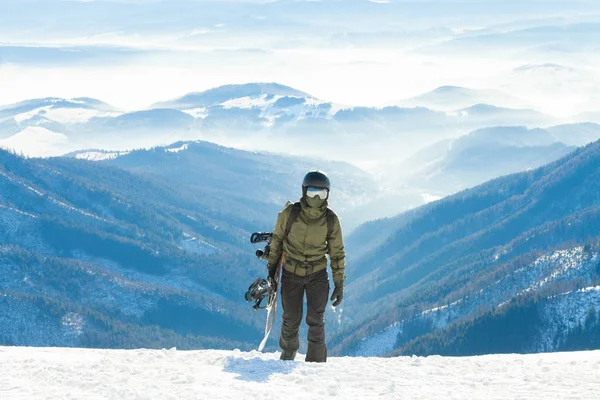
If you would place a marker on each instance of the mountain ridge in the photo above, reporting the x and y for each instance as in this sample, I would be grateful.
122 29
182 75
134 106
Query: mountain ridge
437 251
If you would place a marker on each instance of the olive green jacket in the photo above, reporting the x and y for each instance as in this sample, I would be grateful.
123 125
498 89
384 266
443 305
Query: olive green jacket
306 245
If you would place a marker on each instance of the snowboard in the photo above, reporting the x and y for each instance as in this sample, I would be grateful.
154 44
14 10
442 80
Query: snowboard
272 306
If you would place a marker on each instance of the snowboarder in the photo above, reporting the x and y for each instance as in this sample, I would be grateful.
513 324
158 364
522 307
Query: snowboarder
304 233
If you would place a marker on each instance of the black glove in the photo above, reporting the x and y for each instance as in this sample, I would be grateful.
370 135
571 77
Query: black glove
338 294
273 284
272 272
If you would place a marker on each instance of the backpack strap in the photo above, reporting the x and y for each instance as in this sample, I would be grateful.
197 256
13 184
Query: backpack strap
330 221
293 216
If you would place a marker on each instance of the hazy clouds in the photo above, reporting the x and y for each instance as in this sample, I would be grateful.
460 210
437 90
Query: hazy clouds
355 52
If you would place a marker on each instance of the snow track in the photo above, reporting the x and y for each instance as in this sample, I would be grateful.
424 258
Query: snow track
49 373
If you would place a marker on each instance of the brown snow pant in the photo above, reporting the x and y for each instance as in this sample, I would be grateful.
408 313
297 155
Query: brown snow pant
293 287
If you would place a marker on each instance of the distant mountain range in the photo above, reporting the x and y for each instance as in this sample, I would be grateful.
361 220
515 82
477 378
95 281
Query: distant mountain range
541 39
276 118
435 172
265 116
508 266
230 93
452 165
450 98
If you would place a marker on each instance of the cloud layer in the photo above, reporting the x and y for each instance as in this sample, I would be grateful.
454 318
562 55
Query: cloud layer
358 52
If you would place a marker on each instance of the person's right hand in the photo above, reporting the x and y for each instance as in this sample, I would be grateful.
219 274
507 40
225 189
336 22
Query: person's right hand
272 272
272 283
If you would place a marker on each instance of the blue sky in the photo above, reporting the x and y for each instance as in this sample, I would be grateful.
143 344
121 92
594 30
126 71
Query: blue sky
357 52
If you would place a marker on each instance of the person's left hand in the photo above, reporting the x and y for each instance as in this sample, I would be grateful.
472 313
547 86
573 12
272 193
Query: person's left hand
338 294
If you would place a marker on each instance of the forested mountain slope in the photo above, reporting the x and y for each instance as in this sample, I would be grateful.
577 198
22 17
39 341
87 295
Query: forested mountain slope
453 249
240 183
92 255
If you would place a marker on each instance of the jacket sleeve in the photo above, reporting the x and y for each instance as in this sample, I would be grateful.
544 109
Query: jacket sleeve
336 253
277 242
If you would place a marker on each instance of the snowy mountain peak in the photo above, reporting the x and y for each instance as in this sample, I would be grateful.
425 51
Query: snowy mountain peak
57 110
229 93
453 90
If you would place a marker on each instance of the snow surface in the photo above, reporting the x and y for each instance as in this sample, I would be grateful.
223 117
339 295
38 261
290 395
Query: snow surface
50 373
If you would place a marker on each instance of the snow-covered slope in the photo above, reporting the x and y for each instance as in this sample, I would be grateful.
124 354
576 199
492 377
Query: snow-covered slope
71 257
59 110
50 373
98 155
561 314
229 94
483 256
36 142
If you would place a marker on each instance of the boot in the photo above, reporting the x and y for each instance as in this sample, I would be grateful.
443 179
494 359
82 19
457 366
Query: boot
316 353
288 355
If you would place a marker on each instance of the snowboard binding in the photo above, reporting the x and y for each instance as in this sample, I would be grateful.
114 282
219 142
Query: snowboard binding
260 289
260 237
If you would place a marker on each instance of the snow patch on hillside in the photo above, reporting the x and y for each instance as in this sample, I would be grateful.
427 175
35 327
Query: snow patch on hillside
429 198
17 211
201 112
74 322
194 245
247 102
100 155
283 108
177 149
381 343
564 313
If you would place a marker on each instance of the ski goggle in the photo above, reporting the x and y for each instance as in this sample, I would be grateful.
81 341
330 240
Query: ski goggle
313 192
